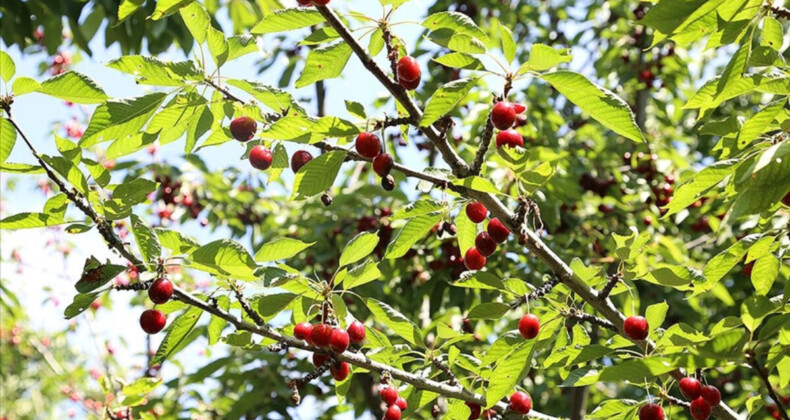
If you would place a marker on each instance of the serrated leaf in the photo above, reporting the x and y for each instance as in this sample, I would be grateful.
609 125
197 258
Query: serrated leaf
361 274
276 99
542 57
175 241
7 139
30 221
217 324
24 85
127 145
655 315
7 67
417 208
691 190
217 46
117 118
320 36
280 249
508 372
764 273
458 42
466 231
271 305
611 409
508 43
326 62
478 183
147 242
460 60
673 17
128 7
456 22
155 72
73 87
168 7
81 302
95 275
358 248
287 20
415 229
225 257
634 370
20 168
488 310
197 20
773 33
176 335
279 163
445 99
704 97
318 175
395 320
602 105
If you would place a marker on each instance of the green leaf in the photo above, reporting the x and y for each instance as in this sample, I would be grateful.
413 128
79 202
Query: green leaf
488 310
466 231
20 168
318 175
723 262
127 145
458 42
445 99
542 57
320 36
691 190
358 248
655 315
394 320
772 34
759 123
7 67
478 183
356 109
217 324
95 275
704 97
281 249
673 17
176 242
146 240
155 72
754 309
275 99
287 20
326 62
615 409
537 177
764 273
176 335
141 386
417 208
225 257
24 84
271 305
168 7
81 302
602 105
241 45
7 139
415 229
30 221
456 22
128 7
74 87
218 46
508 43
634 370
460 60
279 163
508 372
361 274
197 20
119 117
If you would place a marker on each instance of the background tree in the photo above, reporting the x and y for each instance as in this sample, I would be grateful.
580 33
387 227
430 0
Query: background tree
665 203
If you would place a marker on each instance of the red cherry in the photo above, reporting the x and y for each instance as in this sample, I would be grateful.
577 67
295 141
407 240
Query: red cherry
320 2
382 164
786 199
503 115
161 290
651 412
152 321
409 85
303 330
529 326
340 371
473 260
519 108
699 409
408 69
498 231
305 2
260 157
669 178
299 159
389 395
402 403
368 145
488 414
484 244
635 327
647 220
319 359
321 335
476 211
711 395
338 343
509 138
520 402
475 409
243 128
690 387
393 413
356 332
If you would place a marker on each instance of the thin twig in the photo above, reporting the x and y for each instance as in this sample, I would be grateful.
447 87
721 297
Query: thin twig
535 294
610 284
752 358
252 314
592 319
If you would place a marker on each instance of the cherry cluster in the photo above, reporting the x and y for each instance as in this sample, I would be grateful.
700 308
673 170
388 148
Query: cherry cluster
308 3
336 340
395 404
171 195
519 402
503 117
702 397
153 320
369 145
486 241
244 128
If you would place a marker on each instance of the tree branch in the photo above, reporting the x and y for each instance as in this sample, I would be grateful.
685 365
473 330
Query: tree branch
752 358
485 143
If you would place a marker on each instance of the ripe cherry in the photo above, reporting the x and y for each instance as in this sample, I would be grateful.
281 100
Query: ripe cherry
393 413
409 85
319 359
368 145
408 69
690 387
647 220
509 138
669 178
503 115
786 199
651 412
389 395
152 321
402 403
260 157
520 402
340 371
635 327
243 128
321 335
320 2
382 164
489 414
388 183
299 159
699 409
476 211
305 2
475 410
711 395
473 260
338 343
356 332
161 290
303 330
498 231
485 244
529 326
